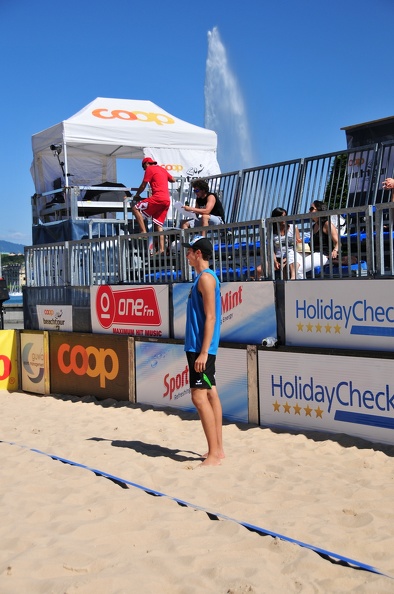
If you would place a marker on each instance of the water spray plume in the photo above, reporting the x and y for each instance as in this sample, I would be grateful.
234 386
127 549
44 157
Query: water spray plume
225 111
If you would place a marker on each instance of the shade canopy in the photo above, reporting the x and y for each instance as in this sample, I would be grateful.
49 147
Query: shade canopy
83 149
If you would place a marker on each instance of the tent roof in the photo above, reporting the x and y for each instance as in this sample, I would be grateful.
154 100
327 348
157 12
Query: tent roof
117 127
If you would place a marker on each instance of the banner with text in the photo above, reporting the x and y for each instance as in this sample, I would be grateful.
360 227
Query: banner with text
33 362
55 317
132 310
8 361
352 395
339 314
248 311
162 378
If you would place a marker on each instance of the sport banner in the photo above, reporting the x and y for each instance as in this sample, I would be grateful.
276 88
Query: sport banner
162 378
340 394
248 311
55 317
33 362
132 310
340 314
8 361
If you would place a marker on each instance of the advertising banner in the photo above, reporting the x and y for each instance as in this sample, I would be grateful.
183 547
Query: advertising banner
338 314
132 310
55 317
162 378
248 311
352 395
88 364
8 361
32 362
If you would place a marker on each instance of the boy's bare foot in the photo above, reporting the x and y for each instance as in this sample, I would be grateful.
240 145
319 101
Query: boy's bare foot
210 461
220 456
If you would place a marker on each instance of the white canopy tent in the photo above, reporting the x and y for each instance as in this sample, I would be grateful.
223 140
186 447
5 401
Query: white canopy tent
83 149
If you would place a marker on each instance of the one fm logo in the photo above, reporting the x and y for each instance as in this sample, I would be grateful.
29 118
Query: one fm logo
136 307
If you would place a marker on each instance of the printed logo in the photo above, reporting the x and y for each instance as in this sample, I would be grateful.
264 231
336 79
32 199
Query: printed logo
33 363
130 306
5 367
133 116
91 361
176 383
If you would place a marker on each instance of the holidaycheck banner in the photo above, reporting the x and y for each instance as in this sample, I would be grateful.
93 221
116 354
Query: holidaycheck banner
340 314
352 395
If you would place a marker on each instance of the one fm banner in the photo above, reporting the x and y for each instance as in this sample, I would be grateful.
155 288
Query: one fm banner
352 395
32 362
8 361
248 311
356 314
162 378
132 310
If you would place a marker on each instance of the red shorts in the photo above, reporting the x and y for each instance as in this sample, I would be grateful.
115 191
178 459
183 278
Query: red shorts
154 209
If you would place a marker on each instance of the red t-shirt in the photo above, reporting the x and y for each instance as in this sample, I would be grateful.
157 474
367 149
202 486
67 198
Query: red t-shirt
158 177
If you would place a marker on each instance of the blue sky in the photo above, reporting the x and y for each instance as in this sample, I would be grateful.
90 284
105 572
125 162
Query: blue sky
305 69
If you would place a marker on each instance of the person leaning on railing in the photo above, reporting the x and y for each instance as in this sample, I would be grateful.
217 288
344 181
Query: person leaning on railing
321 232
388 184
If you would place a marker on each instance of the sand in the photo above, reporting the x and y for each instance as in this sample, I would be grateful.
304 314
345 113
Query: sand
65 529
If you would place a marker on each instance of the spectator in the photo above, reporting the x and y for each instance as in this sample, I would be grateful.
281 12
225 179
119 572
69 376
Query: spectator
208 208
324 241
284 239
155 206
388 184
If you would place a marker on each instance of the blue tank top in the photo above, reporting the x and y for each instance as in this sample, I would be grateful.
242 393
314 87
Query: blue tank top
195 318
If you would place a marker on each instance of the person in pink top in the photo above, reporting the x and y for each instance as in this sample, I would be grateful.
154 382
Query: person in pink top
155 206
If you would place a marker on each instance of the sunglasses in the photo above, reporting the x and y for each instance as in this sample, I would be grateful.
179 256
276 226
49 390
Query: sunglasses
197 191
312 208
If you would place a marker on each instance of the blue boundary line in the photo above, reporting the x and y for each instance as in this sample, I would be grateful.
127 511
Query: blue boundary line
352 563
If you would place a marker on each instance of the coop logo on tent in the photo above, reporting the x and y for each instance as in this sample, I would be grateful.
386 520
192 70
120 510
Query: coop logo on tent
137 307
33 363
141 116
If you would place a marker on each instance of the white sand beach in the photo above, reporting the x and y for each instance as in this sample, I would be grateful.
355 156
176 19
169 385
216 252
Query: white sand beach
66 530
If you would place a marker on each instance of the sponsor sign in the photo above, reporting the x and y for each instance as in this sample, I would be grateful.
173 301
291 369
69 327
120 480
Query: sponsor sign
133 310
8 361
55 317
248 311
87 364
352 395
338 314
32 362
162 378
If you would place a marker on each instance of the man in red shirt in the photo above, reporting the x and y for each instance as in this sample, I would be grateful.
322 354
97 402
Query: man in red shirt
155 206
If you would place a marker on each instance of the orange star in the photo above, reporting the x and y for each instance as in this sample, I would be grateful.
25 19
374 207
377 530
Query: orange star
276 406
308 411
297 409
319 412
287 407
328 328
300 327
337 329
318 327
309 327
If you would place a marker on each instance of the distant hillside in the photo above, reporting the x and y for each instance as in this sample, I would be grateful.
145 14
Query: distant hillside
7 247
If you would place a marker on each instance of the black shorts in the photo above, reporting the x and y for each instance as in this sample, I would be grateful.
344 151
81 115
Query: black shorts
206 379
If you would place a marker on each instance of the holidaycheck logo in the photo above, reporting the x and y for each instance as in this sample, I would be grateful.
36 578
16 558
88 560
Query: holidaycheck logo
327 316
346 400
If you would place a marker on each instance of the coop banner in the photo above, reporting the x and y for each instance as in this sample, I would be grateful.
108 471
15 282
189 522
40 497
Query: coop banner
162 378
339 314
248 311
33 362
352 395
8 361
132 310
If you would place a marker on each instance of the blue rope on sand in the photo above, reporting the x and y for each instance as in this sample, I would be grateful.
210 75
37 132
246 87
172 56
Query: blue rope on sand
330 555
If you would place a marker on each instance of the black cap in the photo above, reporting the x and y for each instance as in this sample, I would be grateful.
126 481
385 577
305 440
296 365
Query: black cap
200 243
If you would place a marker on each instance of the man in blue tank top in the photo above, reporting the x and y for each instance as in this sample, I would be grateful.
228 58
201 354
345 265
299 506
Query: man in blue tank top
203 318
